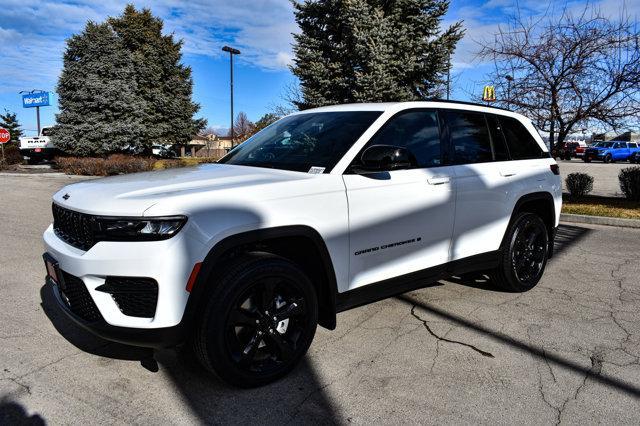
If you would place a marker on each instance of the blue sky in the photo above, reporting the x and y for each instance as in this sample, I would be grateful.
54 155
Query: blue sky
33 33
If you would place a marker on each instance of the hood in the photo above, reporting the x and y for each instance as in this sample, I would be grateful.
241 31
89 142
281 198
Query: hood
131 195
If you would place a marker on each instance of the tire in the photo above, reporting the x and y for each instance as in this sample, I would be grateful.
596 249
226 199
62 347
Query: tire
238 339
524 255
607 158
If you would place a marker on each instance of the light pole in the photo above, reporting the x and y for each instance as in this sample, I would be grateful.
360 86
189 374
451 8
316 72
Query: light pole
509 80
232 52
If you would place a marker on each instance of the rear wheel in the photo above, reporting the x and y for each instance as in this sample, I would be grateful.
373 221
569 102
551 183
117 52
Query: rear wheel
259 321
525 254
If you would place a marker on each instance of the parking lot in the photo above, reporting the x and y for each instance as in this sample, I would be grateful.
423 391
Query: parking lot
453 352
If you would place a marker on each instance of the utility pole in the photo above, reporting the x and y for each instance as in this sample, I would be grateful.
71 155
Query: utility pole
232 52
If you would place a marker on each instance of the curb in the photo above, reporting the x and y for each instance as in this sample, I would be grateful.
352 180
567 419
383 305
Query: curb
600 220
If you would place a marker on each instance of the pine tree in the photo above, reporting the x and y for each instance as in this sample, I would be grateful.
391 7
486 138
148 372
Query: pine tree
9 121
163 82
100 111
371 50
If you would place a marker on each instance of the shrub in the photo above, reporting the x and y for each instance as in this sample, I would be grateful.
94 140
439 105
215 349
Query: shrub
579 184
12 154
630 183
113 165
118 164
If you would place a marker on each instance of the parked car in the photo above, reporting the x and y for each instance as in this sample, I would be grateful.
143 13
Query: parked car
568 150
610 151
38 148
325 210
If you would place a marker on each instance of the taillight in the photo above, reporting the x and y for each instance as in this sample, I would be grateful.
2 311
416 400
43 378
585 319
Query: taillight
555 169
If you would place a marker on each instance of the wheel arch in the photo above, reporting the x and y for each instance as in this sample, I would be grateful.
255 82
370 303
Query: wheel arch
540 203
301 244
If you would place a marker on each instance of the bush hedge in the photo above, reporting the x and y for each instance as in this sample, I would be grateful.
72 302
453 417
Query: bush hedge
630 183
11 155
118 164
579 184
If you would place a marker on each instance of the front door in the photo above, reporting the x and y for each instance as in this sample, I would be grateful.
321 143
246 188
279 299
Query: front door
401 221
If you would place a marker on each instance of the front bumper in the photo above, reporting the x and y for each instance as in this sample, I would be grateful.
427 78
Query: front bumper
168 262
152 338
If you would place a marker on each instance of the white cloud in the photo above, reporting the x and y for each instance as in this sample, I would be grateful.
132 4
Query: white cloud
33 33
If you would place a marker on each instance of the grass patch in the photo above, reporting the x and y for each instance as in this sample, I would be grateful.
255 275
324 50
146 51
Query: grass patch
602 206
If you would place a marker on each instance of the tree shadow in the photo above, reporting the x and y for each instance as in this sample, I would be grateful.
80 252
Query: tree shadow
538 352
12 413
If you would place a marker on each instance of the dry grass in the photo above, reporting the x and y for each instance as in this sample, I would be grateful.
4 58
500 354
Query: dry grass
603 206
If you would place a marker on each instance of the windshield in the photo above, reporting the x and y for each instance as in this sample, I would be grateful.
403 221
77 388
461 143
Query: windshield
46 131
304 141
604 144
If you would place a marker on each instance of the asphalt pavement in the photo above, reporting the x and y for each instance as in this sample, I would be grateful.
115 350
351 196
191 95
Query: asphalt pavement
453 352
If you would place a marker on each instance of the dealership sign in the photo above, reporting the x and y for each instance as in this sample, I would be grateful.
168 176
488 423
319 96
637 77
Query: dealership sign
38 99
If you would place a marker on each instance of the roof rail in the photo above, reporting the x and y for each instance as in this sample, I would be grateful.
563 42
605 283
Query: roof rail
466 103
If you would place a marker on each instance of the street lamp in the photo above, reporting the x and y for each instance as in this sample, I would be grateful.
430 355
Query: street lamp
232 52
509 80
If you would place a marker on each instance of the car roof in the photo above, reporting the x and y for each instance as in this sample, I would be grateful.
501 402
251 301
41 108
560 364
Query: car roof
399 106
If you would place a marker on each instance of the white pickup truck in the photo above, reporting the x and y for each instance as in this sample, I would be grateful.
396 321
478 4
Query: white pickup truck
38 148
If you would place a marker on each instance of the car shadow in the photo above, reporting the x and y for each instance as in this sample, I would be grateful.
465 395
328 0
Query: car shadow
299 397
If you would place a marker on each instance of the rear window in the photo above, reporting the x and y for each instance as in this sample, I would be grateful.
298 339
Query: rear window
522 145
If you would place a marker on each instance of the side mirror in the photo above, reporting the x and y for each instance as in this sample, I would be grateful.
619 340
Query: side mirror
387 157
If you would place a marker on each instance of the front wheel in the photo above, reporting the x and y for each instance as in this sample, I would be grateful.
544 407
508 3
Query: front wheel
259 321
525 254
607 158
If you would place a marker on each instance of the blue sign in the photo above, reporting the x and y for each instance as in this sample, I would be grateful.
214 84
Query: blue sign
38 99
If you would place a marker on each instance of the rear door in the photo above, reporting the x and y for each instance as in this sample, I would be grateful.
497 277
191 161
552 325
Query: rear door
483 177
401 221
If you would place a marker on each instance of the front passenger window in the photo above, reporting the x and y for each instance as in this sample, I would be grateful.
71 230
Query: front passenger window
415 130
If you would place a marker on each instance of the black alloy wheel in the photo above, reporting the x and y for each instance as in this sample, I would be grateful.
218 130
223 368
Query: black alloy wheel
266 325
259 320
524 254
529 251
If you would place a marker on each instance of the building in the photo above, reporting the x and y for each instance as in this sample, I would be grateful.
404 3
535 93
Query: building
207 146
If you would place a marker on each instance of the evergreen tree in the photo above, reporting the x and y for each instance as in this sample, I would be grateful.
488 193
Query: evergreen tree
162 82
371 50
9 121
100 111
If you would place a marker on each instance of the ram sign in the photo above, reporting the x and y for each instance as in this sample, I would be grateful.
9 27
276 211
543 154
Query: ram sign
38 99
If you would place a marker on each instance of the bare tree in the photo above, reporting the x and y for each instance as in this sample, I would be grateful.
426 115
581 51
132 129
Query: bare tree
242 127
568 70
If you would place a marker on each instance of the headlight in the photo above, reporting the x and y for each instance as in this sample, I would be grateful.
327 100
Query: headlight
138 229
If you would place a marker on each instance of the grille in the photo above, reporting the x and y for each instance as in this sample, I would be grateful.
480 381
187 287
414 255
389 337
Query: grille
78 298
73 227
135 297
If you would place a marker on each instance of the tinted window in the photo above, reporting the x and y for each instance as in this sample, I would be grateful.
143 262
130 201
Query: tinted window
633 145
500 151
469 137
299 142
521 144
418 131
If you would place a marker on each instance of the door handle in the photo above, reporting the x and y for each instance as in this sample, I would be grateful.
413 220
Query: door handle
507 173
438 180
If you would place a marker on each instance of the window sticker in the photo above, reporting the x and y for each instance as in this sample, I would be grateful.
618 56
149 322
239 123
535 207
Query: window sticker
314 170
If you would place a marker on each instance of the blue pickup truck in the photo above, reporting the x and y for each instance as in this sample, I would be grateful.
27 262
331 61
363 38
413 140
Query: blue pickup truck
610 151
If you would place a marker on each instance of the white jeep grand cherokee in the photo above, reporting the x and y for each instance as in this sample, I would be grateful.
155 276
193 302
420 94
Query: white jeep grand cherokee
325 210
